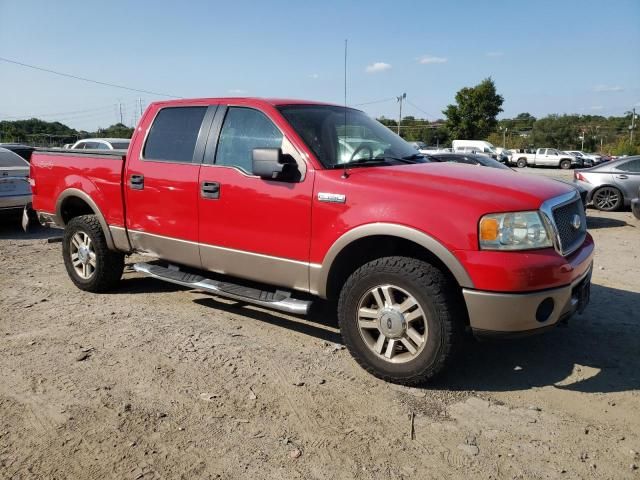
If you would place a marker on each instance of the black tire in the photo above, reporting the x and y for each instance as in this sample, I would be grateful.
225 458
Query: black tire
521 163
607 198
565 164
108 264
435 294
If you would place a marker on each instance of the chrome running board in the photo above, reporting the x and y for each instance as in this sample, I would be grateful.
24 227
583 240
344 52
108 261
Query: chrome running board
277 300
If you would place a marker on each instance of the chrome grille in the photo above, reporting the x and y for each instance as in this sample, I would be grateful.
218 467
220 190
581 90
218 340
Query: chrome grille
565 216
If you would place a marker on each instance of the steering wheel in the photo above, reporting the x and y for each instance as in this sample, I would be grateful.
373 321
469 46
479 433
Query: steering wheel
360 148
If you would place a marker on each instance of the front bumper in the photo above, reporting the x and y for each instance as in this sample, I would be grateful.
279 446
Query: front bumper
509 314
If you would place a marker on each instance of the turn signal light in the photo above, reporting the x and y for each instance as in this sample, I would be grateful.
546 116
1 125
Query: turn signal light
489 229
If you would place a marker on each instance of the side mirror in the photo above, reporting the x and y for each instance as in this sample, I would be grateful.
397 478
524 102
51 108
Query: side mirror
272 164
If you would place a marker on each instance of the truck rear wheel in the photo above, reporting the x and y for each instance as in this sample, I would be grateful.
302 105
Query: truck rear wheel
521 163
565 164
397 318
89 262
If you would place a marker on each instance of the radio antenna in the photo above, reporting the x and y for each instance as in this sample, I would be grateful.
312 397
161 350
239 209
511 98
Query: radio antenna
345 173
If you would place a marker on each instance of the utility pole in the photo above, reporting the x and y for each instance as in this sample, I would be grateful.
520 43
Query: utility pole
504 136
582 138
120 109
400 99
140 105
633 125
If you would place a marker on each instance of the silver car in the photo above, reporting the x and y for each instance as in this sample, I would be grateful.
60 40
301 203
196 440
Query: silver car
15 191
611 185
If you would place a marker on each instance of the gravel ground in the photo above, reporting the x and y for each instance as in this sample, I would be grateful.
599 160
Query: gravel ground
157 381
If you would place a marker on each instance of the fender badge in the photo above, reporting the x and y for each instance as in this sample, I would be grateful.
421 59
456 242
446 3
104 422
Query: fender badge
331 197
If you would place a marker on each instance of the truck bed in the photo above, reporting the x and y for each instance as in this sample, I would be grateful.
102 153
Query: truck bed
97 173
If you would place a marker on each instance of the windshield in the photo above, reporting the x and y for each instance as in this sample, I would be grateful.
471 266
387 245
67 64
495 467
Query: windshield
120 145
339 136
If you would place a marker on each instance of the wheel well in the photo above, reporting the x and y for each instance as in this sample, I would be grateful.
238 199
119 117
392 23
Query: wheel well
74 207
366 249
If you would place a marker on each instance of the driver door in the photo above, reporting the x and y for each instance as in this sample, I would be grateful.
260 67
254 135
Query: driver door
249 227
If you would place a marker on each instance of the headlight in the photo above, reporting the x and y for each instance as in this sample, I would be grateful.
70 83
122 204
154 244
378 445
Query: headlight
513 231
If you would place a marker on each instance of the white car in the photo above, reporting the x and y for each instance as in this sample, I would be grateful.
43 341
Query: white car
101 144
475 146
15 191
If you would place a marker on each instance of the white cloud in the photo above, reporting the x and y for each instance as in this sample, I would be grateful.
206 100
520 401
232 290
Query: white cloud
377 67
597 107
494 54
314 76
429 59
608 88
237 91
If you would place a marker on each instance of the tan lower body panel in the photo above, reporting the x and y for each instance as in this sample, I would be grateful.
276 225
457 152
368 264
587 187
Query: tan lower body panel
278 271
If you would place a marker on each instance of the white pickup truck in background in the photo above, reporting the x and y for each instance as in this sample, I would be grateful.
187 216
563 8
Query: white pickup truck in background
545 157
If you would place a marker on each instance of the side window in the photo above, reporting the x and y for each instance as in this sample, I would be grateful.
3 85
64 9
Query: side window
632 166
245 129
173 135
102 146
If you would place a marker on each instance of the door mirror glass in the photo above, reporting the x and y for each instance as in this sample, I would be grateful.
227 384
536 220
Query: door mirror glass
272 164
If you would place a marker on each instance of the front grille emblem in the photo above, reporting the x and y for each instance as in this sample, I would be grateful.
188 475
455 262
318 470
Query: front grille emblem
576 222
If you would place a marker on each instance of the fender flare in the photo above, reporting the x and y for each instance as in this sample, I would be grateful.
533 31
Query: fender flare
74 192
320 276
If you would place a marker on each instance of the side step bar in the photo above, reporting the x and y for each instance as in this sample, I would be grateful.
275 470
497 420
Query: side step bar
277 300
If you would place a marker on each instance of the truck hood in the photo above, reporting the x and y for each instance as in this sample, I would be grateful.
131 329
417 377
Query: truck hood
478 188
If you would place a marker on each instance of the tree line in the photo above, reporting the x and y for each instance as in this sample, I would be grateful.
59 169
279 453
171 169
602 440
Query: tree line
474 117
41 133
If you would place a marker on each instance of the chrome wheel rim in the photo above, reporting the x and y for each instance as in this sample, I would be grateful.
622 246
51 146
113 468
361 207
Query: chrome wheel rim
83 256
392 323
606 198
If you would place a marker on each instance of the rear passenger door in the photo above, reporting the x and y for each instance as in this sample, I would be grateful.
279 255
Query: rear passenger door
161 183
250 227
627 177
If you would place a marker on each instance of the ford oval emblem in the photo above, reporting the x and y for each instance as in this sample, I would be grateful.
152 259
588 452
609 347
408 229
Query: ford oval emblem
576 222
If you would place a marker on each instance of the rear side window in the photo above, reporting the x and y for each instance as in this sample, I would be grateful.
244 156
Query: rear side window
632 166
10 159
245 129
173 135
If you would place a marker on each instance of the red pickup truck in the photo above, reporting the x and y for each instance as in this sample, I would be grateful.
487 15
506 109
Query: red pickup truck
277 202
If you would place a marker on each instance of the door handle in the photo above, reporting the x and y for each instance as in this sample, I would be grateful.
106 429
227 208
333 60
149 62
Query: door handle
622 177
136 182
210 190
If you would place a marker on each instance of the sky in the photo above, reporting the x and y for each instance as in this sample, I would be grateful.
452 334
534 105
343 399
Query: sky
560 56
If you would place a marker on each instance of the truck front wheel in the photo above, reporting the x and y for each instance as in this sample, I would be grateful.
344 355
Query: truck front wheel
89 262
398 319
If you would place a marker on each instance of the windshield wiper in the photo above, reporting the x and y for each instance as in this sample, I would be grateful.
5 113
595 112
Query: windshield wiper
381 160
414 156
361 161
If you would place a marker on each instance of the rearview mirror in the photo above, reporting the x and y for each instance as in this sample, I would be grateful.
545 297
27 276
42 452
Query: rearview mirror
272 164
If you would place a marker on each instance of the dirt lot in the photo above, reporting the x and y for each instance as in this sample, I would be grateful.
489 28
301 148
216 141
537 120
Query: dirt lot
156 381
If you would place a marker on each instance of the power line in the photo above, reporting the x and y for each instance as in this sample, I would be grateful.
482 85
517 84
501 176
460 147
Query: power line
419 109
374 101
68 75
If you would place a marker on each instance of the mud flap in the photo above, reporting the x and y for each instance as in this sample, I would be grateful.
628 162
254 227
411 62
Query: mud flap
26 217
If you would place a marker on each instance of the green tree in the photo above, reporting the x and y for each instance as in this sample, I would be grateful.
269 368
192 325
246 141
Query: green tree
118 130
474 114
